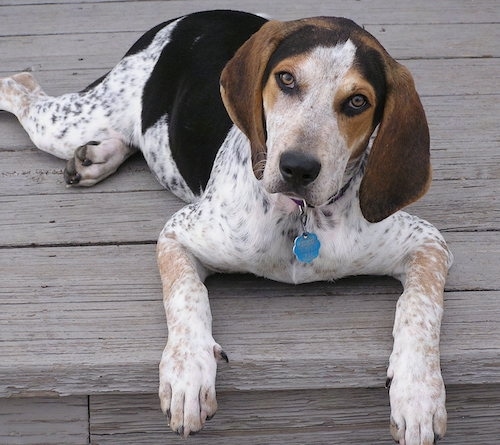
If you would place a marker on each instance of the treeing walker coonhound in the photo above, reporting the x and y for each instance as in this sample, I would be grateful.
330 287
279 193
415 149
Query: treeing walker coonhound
295 144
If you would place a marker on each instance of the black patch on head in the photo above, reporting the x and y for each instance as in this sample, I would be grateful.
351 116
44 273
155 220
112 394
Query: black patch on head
370 64
312 36
184 85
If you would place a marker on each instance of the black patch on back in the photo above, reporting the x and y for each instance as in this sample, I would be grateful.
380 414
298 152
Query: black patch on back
184 85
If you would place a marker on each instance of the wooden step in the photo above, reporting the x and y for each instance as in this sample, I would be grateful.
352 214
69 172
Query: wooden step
90 319
357 416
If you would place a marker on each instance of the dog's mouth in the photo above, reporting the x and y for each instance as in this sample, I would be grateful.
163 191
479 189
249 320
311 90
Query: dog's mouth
301 199
312 194
304 201
300 202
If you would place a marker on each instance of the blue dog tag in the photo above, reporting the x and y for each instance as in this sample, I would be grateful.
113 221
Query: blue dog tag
306 247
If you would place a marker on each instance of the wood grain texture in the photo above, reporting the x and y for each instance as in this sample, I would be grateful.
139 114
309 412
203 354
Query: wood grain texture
101 51
84 311
293 417
99 17
44 420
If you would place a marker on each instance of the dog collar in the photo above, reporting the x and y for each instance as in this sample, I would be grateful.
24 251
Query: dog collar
301 203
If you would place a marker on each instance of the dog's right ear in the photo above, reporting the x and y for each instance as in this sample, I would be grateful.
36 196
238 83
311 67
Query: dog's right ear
398 171
242 81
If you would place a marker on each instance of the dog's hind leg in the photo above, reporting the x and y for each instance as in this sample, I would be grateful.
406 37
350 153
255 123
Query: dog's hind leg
64 125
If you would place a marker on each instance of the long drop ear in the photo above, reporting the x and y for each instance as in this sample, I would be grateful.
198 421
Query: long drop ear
242 80
398 170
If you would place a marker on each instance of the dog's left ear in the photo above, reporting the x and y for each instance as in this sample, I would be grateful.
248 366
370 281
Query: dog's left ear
398 170
242 80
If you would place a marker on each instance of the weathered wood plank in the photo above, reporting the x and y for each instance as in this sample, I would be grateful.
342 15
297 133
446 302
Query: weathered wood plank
476 199
101 51
77 219
296 417
44 420
455 40
339 416
72 51
89 320
455 77
98 17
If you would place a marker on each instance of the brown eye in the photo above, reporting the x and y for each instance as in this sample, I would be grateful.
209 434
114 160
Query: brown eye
286 80
355 105
358 101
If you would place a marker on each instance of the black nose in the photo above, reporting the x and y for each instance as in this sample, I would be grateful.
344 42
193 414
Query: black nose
299 169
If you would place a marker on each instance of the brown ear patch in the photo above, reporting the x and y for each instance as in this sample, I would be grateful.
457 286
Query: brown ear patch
398 170
241 85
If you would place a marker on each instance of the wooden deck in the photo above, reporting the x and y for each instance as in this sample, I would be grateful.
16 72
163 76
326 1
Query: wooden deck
81 319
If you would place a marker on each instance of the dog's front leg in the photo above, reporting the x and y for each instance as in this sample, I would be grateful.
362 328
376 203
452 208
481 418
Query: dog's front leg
417 392
189 361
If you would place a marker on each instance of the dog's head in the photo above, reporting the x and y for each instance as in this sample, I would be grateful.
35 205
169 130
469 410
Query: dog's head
308 94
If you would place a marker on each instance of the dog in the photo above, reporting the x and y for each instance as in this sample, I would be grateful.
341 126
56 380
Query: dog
295 146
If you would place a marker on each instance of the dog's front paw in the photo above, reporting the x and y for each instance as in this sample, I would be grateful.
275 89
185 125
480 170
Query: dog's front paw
418 412
187 383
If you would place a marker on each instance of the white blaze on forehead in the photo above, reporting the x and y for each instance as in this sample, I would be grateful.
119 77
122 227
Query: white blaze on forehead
330 62
319 76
